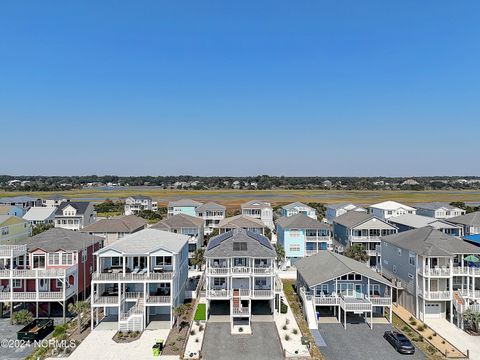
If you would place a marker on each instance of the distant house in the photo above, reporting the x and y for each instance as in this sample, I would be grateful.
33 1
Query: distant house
299 208
388 209
137 203
241 222
183 206
302 236
470 223
211 213
54 200
438 210
186 225
331 284
40 215
259 210
113 229
13 229
361 228
75 215
410 182
334 210
11 210
434 278
409 221
23 202
48 271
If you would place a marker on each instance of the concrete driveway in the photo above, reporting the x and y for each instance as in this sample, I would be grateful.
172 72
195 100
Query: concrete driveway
262 345
359 342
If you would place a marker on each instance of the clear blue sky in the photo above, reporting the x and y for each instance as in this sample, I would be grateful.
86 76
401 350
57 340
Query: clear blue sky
240 87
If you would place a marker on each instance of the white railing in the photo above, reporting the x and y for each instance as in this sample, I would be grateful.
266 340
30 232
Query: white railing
355 306
371 252
458 270
380 301
156 299
327 300
262 293
133 295
318 238
218 271
470 293
37 273
263 270
132 277
436 295
12 250
244 310
437 272
242 292
35 296
354 238
105 300
220 293
240 270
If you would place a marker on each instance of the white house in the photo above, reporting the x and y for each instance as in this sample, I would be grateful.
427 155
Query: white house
299 208
75 215
211 213
182 206
140 279
113 229
438 210
54 200
388 209
259 210
137 203
335 210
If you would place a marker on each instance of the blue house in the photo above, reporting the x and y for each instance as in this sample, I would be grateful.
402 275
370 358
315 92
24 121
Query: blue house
183 206
302 236
11 210
298 208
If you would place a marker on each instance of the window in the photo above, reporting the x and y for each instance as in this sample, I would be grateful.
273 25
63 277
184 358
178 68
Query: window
54 259
38 261
410 276
240 246
260 283
346 289
67 258
17 283
84 255
294 247
395 269
295 233
116 261
411 258
219 282
59 284
5 230
163 260
374 290
324 288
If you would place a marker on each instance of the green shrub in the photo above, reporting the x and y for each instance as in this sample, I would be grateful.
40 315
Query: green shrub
287 337
420 328
200 328
295 331
192 332
60 331
434 334
22 317
430 337
284 327
283 308
413 322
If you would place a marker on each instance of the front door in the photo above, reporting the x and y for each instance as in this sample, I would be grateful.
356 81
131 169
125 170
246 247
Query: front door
358 291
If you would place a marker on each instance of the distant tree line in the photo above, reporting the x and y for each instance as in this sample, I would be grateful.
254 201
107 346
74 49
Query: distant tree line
260 182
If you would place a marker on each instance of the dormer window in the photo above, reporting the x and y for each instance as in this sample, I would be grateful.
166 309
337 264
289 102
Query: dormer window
240 246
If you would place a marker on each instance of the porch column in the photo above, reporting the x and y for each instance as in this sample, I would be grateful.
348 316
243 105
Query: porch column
390 314
345 319
64 306
371 319
98 264
91 318
124 264
148 266
451 311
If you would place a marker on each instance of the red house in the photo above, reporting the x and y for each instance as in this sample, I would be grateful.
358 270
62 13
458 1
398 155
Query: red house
48 271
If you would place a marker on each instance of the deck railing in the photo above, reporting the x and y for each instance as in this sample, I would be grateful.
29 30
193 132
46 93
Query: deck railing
327 300
355 306
132 276
155 299
244 310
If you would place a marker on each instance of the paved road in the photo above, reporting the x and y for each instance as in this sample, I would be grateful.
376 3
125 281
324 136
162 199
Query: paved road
359 342
264 344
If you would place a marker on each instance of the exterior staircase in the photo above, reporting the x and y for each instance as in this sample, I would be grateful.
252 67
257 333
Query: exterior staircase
134 318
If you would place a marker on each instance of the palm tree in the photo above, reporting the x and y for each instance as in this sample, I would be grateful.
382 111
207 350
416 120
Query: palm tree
198 257
357 252
472 317
78 309
179 311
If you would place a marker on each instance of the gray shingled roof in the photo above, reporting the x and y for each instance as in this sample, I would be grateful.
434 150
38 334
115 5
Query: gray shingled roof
210 206
140 197
472 219
419 221
179 221
353 218
240 221
56 197
147 241
123 224
427 241
254 247
327 265
301 221
81 207
58 238
339 205
184 202
434 206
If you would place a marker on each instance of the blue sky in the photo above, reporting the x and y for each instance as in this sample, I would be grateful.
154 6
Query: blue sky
354 88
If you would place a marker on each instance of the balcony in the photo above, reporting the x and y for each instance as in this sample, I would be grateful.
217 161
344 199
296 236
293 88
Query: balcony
105 300
12 250
436 295
219 293
120 276
263 271
327 300
355 305
458 270
38 273
218 270
318 238
36 296
241 270
474 294
261 294
438 272
156 299
379 300
355 238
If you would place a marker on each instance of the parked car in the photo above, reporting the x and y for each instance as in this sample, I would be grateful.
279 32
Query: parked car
400 342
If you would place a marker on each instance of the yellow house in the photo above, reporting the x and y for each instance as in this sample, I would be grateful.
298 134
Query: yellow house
13 229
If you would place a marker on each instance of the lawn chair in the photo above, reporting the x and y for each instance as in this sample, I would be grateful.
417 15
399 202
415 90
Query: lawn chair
136 270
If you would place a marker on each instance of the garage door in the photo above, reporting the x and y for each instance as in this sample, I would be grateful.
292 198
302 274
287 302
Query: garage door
433 310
